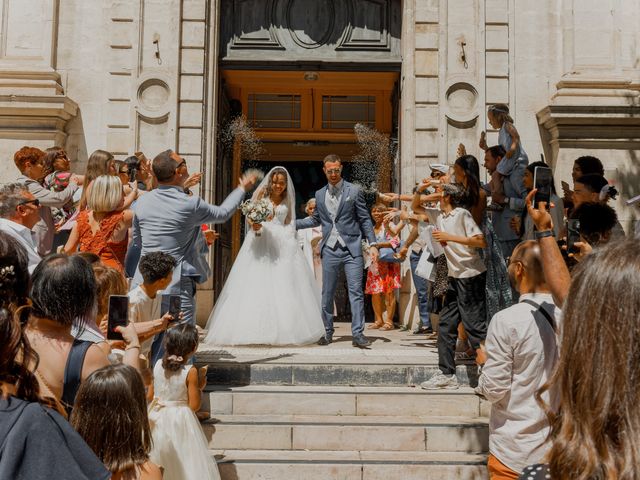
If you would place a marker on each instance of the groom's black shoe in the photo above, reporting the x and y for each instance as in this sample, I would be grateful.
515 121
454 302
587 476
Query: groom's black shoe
361 342
326 340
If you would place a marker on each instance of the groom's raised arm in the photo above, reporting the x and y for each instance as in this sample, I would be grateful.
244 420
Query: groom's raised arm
309 222
364 218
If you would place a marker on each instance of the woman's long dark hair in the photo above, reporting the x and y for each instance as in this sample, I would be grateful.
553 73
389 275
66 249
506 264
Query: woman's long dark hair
471 168
110 414
17 359
595 434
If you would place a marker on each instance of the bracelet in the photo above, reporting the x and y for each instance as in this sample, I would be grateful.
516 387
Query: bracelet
131 347
543 234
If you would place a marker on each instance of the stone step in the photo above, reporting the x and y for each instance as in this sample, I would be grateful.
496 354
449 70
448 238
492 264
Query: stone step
342 400
374 433
348 465
356 370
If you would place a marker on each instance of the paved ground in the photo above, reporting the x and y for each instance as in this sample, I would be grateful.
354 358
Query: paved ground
387 347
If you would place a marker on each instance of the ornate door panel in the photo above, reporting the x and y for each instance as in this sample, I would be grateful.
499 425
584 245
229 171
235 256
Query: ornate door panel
311 30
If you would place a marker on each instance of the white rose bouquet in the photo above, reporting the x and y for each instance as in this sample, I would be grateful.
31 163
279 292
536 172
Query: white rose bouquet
257 211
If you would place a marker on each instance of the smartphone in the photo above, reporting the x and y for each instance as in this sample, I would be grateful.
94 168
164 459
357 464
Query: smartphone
118 315
132 174
172 305
542 178
633 200
573 235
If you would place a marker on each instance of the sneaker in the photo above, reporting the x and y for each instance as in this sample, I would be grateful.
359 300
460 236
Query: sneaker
440 381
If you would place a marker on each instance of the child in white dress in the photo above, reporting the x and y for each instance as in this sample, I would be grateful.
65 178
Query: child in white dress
179 444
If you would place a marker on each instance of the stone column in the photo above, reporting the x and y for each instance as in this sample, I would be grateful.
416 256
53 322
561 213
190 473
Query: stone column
595 109
33 106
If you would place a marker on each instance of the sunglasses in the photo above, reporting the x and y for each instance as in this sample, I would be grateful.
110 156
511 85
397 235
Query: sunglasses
35 201
181 164
334 171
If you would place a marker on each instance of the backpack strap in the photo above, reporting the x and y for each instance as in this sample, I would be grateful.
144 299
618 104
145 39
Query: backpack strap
73 372
542 311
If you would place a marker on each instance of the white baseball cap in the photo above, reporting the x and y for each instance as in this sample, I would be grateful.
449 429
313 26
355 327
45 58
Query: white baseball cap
440 167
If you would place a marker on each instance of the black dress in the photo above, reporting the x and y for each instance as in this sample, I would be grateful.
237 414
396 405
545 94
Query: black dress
36 443
536 472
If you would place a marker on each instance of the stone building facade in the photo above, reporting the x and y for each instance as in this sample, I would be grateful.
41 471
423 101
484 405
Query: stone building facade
128 75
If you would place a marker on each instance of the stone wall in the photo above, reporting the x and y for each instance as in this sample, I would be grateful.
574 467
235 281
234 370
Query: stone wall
129 75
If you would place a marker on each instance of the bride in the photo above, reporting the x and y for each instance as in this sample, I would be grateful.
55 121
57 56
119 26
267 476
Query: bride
270 296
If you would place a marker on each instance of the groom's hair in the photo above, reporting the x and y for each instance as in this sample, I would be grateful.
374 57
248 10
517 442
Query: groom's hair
164 167
332 157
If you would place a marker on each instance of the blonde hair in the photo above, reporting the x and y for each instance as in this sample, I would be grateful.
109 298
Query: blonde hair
104 195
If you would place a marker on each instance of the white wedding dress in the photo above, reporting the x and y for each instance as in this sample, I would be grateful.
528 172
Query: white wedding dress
271 296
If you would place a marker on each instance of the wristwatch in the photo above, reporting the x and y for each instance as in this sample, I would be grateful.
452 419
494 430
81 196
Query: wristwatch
543 234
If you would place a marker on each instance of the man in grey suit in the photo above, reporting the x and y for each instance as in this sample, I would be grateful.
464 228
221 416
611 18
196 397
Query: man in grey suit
168 220
343 214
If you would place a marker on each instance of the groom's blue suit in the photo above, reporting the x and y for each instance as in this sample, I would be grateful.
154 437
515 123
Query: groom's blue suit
345 220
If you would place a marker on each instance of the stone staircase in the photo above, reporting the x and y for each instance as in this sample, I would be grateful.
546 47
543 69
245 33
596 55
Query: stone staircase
341 413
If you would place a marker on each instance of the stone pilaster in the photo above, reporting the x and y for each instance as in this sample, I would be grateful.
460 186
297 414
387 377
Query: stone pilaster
34 109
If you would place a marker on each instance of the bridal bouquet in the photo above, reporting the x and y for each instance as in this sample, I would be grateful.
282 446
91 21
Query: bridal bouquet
257 211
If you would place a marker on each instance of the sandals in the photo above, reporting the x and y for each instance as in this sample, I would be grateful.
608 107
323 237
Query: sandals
376 325
465 356
387 327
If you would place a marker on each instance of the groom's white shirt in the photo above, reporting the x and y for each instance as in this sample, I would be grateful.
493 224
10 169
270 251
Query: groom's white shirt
332 199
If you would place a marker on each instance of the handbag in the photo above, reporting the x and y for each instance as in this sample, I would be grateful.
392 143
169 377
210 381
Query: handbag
387 254
426 266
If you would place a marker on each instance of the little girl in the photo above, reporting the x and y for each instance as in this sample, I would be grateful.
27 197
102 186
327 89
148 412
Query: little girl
57 174
383 278
509 139
179 444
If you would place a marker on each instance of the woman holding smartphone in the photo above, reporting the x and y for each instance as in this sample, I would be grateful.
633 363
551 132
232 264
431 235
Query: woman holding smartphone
63 293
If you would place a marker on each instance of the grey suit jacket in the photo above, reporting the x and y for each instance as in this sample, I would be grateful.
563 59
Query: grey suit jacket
352 219
45 229
167 220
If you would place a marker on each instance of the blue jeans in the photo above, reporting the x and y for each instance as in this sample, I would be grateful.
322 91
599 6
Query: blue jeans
422 291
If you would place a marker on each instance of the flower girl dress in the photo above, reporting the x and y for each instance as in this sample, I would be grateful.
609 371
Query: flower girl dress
179 444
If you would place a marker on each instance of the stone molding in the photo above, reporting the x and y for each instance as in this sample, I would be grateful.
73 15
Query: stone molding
35 117
591 114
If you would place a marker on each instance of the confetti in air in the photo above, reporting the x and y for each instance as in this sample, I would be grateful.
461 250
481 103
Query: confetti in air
239 130
372 163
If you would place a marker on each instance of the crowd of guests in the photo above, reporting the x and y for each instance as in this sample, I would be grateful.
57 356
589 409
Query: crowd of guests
69 244
552 329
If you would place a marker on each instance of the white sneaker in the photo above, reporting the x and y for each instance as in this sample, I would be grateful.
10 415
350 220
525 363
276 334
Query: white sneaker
440 381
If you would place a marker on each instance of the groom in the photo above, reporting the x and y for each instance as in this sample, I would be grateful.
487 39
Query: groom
343 214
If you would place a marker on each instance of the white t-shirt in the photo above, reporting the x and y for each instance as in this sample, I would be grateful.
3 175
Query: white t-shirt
463 261
144 309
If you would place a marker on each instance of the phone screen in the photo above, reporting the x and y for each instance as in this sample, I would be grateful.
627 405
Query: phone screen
542 179
118 315
171 304
573 235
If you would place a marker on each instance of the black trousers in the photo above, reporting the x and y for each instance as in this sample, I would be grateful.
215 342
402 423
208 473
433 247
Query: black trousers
464 302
